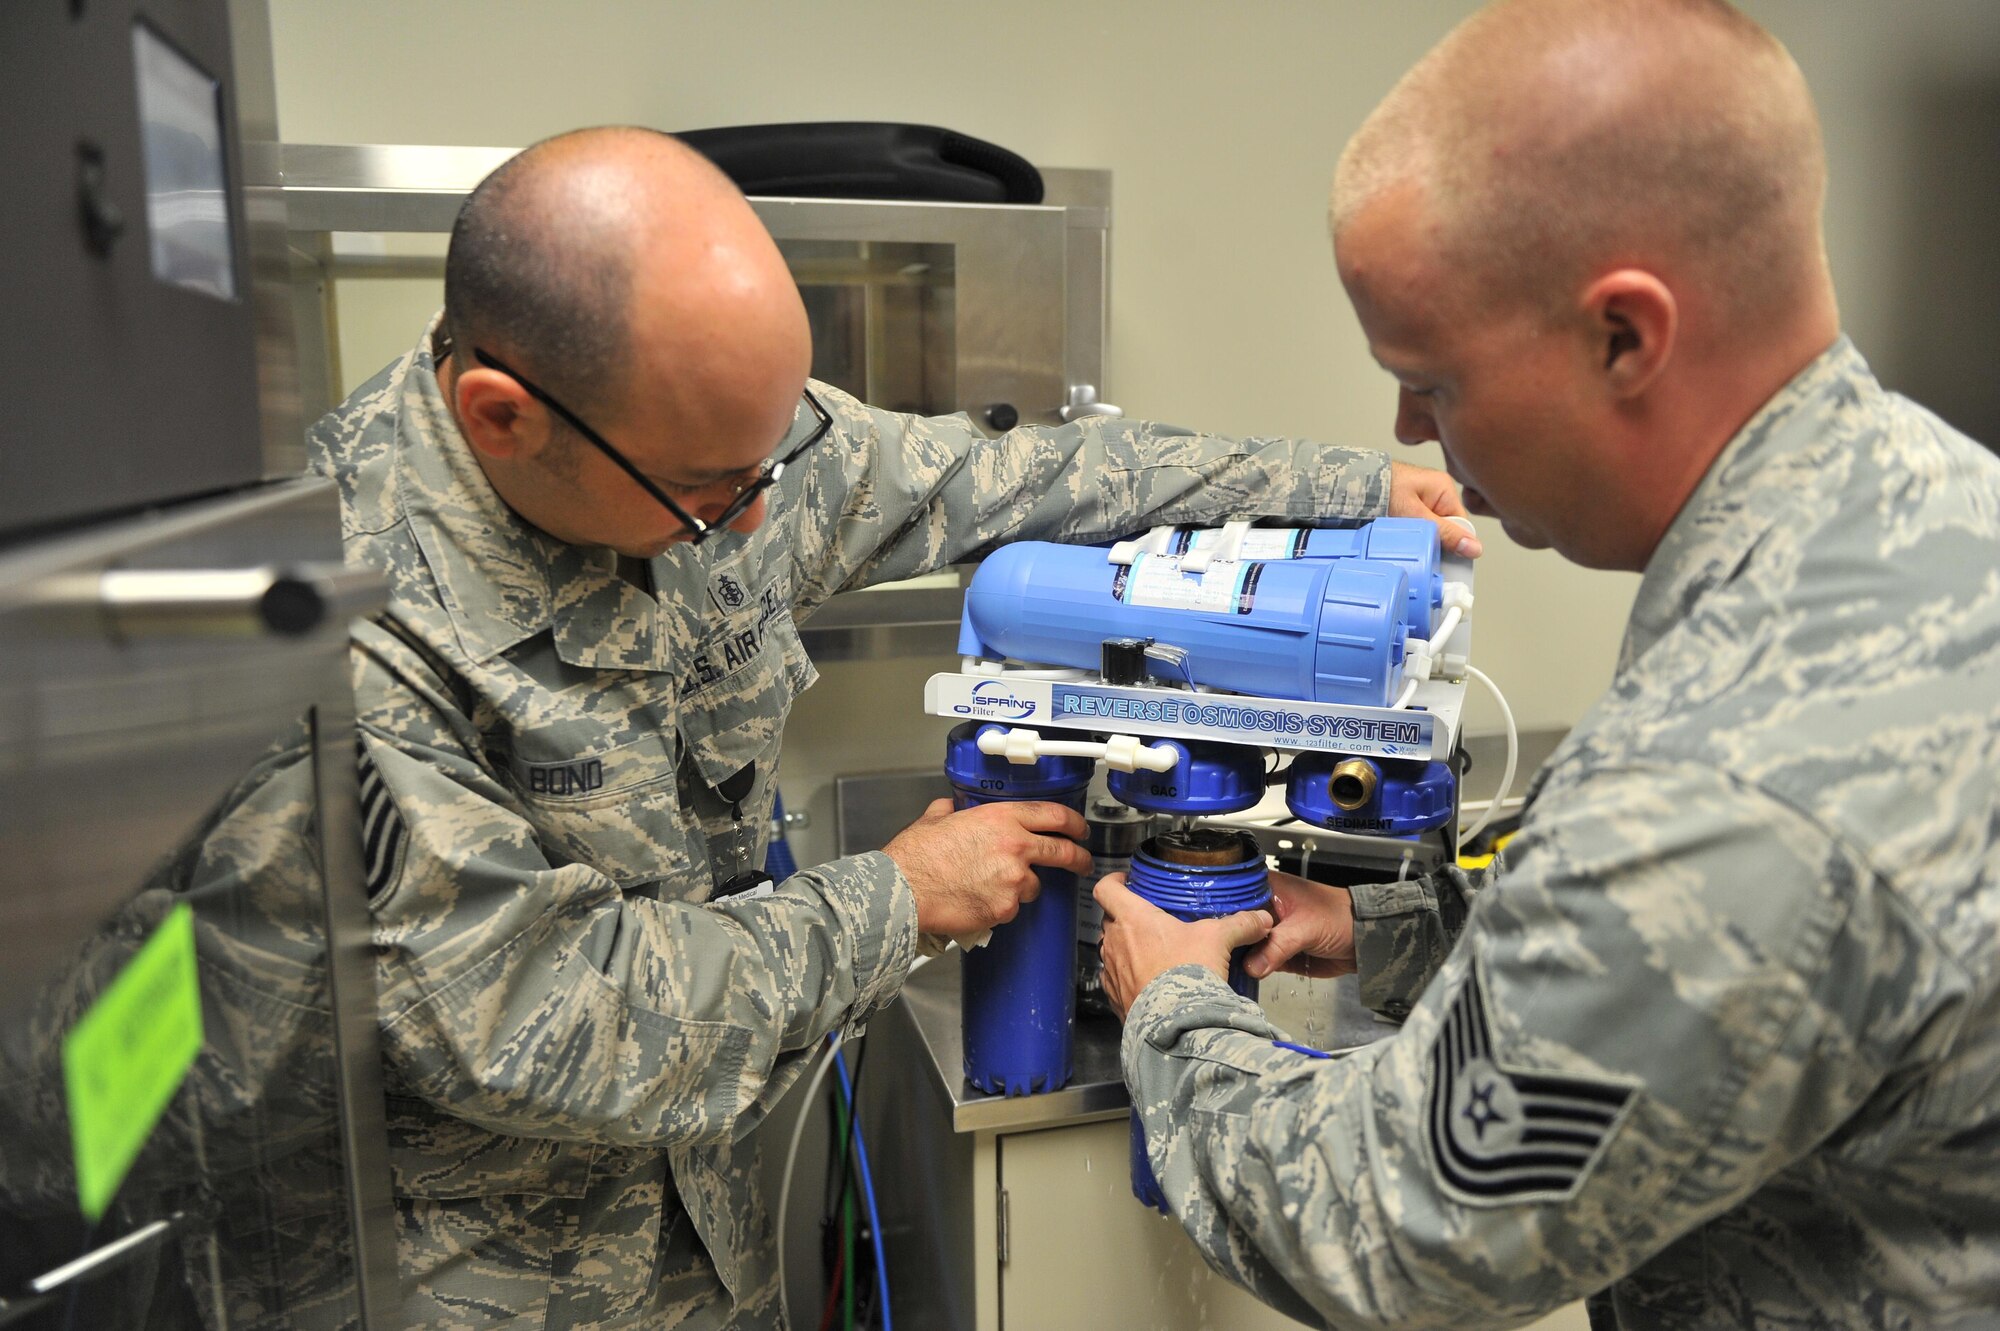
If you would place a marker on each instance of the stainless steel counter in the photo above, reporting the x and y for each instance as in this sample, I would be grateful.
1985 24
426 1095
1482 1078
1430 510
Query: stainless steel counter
928 1012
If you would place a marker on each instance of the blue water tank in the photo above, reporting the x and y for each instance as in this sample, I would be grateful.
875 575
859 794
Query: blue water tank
1314 630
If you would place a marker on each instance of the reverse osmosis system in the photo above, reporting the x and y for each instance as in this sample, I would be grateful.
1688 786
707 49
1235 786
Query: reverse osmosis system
1196 669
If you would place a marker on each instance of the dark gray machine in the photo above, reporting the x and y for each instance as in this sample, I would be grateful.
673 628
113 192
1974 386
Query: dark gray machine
191 1126
129 346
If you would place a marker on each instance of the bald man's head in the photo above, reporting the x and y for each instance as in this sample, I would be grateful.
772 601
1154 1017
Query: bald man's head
601 256
1555 137
619 272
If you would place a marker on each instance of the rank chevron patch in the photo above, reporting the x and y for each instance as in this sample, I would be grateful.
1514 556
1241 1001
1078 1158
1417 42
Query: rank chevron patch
1501 1135
382 833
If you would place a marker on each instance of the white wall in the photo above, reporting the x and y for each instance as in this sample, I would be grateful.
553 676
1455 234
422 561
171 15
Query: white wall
1221 125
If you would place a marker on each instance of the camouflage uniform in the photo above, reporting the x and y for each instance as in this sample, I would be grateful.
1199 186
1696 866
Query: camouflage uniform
577 1037
1723 1026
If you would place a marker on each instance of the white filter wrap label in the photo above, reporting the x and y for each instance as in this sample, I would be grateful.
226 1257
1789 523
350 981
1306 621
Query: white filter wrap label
1090 915
1258 542
1160 582
1089 921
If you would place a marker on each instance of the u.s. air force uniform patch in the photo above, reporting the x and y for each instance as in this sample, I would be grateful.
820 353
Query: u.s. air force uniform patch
1501 1134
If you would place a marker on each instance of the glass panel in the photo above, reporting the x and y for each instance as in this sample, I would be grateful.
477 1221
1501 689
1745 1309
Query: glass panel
245 1162
883 318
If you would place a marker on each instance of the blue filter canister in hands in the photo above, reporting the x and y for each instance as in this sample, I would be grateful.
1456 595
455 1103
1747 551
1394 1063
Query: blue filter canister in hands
1199 874
1017 994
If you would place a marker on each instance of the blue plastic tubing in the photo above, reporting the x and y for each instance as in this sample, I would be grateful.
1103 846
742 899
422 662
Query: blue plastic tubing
1316 630
1194 892
1017 994
778 859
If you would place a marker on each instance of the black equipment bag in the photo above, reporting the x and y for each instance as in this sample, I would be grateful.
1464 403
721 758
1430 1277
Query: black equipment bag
867 160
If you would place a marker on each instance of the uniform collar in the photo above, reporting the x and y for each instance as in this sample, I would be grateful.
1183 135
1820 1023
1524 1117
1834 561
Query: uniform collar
1751 483
501 580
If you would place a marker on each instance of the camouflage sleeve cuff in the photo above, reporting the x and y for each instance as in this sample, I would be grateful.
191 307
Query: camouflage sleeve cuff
1401 937
878 914
1352 482
1182 1000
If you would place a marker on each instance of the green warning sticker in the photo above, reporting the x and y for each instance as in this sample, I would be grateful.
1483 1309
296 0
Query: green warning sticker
128 1055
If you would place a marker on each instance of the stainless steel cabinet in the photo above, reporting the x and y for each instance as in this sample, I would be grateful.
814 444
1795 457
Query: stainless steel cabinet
177 752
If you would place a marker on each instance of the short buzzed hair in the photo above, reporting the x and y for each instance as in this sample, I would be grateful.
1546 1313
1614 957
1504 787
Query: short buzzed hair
542 287
1711 153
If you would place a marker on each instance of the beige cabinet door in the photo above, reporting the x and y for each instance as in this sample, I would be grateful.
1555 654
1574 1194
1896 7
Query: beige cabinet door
1083 1255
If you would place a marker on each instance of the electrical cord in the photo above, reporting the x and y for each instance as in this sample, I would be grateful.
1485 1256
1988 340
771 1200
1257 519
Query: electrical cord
1513 756
867 1188
843 1192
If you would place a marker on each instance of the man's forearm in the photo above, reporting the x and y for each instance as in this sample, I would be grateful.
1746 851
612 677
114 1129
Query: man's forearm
927 491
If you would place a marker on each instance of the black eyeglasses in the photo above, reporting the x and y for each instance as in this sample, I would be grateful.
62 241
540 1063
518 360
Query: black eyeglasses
767 472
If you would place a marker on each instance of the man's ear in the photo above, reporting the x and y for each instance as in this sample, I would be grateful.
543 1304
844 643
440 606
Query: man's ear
497 416
1634 320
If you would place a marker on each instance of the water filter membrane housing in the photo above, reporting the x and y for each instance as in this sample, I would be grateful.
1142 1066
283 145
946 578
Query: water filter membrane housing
1323 630
1410 542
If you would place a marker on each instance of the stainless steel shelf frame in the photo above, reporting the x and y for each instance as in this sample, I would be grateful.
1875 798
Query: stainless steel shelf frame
1031 279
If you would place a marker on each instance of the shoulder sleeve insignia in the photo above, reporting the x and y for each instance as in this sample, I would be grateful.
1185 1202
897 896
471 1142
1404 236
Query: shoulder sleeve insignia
382 832
1500 1134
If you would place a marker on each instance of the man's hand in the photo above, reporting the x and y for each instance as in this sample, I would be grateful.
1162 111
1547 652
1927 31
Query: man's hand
1419 492
972 869
1315 931
1143 942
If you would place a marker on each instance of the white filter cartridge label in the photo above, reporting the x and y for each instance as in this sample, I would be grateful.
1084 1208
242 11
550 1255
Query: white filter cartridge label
1160 581
1258 542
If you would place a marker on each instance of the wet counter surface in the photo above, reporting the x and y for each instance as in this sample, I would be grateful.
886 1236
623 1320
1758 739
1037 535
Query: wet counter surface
1096 1089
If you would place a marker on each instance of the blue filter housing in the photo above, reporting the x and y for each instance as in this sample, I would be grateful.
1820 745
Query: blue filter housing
1314 630
1017 994
1371 796
1410 542
1200 874
1208 780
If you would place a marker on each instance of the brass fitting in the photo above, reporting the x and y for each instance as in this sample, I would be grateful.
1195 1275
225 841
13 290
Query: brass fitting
1352 783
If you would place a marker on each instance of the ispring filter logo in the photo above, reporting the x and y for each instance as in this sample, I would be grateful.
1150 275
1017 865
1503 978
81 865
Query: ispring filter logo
990 696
